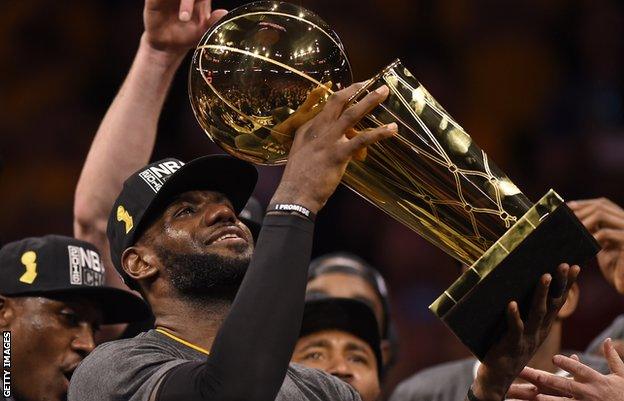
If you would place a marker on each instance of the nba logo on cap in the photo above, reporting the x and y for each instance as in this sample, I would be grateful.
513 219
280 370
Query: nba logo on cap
85 267
155 176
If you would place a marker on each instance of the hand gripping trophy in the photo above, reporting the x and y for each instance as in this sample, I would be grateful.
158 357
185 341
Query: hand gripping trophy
268 67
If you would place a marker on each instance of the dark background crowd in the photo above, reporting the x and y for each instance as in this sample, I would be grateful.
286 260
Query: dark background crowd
537 84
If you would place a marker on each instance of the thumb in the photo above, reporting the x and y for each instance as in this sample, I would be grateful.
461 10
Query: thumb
613 358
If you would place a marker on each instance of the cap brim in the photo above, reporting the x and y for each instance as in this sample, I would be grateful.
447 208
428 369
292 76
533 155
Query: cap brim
118 306
234 178
344 314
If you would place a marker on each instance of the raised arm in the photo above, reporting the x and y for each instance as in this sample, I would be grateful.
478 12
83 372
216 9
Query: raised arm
252 350
126 136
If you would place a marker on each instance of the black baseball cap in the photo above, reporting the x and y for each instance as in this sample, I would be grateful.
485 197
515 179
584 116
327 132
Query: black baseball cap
347 263
58 265
343 314
151 189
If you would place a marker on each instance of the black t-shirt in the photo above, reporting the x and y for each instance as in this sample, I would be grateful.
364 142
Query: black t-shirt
130 369
250 355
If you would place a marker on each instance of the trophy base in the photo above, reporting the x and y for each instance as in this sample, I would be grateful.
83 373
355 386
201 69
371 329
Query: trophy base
547 235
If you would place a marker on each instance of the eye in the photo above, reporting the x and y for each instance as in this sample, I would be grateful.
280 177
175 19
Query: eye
71 318
359 359
184 211
313 356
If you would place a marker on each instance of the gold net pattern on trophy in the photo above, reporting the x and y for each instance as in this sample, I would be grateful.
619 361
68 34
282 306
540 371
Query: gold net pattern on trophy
431 176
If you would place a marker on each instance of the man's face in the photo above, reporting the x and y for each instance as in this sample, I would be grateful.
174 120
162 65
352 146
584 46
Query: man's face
49 338
342 285
343 355
201 243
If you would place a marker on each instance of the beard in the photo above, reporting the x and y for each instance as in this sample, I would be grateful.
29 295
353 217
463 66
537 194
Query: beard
201 277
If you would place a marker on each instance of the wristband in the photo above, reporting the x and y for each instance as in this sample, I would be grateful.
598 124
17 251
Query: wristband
292 208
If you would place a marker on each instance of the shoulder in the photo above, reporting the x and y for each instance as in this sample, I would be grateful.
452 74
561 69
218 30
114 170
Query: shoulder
448 381
124 369
323 385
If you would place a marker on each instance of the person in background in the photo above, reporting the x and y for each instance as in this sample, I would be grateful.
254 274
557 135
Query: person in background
52 302
448 381
341 337
125 138
342 274
605 220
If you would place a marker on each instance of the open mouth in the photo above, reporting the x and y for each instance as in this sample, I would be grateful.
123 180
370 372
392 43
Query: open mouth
225 235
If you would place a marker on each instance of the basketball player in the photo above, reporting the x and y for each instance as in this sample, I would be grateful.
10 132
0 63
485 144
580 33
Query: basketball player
52 301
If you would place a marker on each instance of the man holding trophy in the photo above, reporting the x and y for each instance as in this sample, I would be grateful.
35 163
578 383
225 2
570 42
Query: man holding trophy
262 99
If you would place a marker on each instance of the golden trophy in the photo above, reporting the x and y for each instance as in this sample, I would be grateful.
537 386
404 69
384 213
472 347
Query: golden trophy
268 67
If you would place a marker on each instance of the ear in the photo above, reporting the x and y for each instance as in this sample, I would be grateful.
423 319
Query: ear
386 352
7 311
571 303
140 263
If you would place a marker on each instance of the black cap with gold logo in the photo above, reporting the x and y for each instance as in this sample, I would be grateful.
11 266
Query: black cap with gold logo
55 264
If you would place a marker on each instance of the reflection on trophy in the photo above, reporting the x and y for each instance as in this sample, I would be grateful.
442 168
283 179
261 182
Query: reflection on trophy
268 67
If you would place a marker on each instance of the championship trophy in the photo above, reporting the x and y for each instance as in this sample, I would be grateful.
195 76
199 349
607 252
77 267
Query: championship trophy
268 67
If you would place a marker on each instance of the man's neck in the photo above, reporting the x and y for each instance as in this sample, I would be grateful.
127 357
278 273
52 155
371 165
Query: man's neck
194 321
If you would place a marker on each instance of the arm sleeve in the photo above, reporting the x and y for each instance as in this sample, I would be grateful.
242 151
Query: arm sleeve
251 352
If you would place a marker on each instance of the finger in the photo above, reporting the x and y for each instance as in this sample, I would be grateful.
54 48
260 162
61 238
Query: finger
315 96
613 358
571 279
539 305
593 210
560 281
515 326
601 219
544 397
524 391
575 357
607 208
360 155
531 375
215 16
579 203
369 137
354 113
186 10
550 383
581 372
337 101
566 277
608 236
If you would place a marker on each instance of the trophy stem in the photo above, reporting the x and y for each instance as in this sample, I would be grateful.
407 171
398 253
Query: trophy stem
431 176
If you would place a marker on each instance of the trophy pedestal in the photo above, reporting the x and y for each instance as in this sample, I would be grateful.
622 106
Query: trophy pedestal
547 235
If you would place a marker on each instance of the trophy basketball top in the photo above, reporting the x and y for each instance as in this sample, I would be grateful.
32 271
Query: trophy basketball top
261 72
